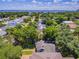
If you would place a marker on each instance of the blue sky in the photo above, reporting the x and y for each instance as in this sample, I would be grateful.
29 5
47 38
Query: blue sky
38 5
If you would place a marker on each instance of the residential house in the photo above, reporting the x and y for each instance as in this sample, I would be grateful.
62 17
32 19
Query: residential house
25 17
71 25
6 19
1 19
41 46
45 51
2 33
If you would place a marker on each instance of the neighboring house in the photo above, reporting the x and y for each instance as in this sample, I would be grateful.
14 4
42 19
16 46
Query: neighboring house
1 19
41 26
25 17
6 19
19 20
13 23
3 28
41 46
70 24
2 33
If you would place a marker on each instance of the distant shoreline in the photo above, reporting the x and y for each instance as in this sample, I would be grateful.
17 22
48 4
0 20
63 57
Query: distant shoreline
37 11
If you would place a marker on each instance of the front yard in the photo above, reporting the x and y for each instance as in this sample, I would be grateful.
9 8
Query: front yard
27 51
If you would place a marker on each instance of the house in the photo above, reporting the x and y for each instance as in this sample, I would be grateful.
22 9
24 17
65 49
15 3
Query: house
6 19
25 17
40 25
2 33
3 28
13 23
44 55
18 20
45 51
70 24
1 19
41 46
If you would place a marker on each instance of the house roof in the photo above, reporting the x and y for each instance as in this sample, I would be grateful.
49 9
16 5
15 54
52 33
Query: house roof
1 19
47 47
3 28
46 56
71 24
67 22
2 33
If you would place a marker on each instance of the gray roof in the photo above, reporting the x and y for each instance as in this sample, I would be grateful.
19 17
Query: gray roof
1 19
47 47
13 23
2 33
67 22
3 28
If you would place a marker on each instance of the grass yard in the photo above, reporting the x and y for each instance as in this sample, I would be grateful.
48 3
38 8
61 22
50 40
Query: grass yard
27 51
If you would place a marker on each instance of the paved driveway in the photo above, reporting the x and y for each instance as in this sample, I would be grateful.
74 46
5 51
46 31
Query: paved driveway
25 57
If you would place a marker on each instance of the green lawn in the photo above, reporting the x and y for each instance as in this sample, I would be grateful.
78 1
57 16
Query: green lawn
27 51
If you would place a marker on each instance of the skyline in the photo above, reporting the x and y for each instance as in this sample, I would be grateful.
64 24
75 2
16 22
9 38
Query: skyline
39 0
39 5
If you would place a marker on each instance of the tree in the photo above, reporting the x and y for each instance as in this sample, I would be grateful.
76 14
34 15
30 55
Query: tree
12 17
74 47
25 35
34 24
49 33
8 51
50 22
27 20
77 32
63 37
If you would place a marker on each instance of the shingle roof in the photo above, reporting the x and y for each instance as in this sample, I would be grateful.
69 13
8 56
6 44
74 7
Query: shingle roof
72 26
46 56
47 47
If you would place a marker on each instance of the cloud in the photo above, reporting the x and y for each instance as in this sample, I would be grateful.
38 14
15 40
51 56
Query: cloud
39 5
9 0
34 1
3 0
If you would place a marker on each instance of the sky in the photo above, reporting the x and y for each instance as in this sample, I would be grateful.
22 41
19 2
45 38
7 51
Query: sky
39 4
